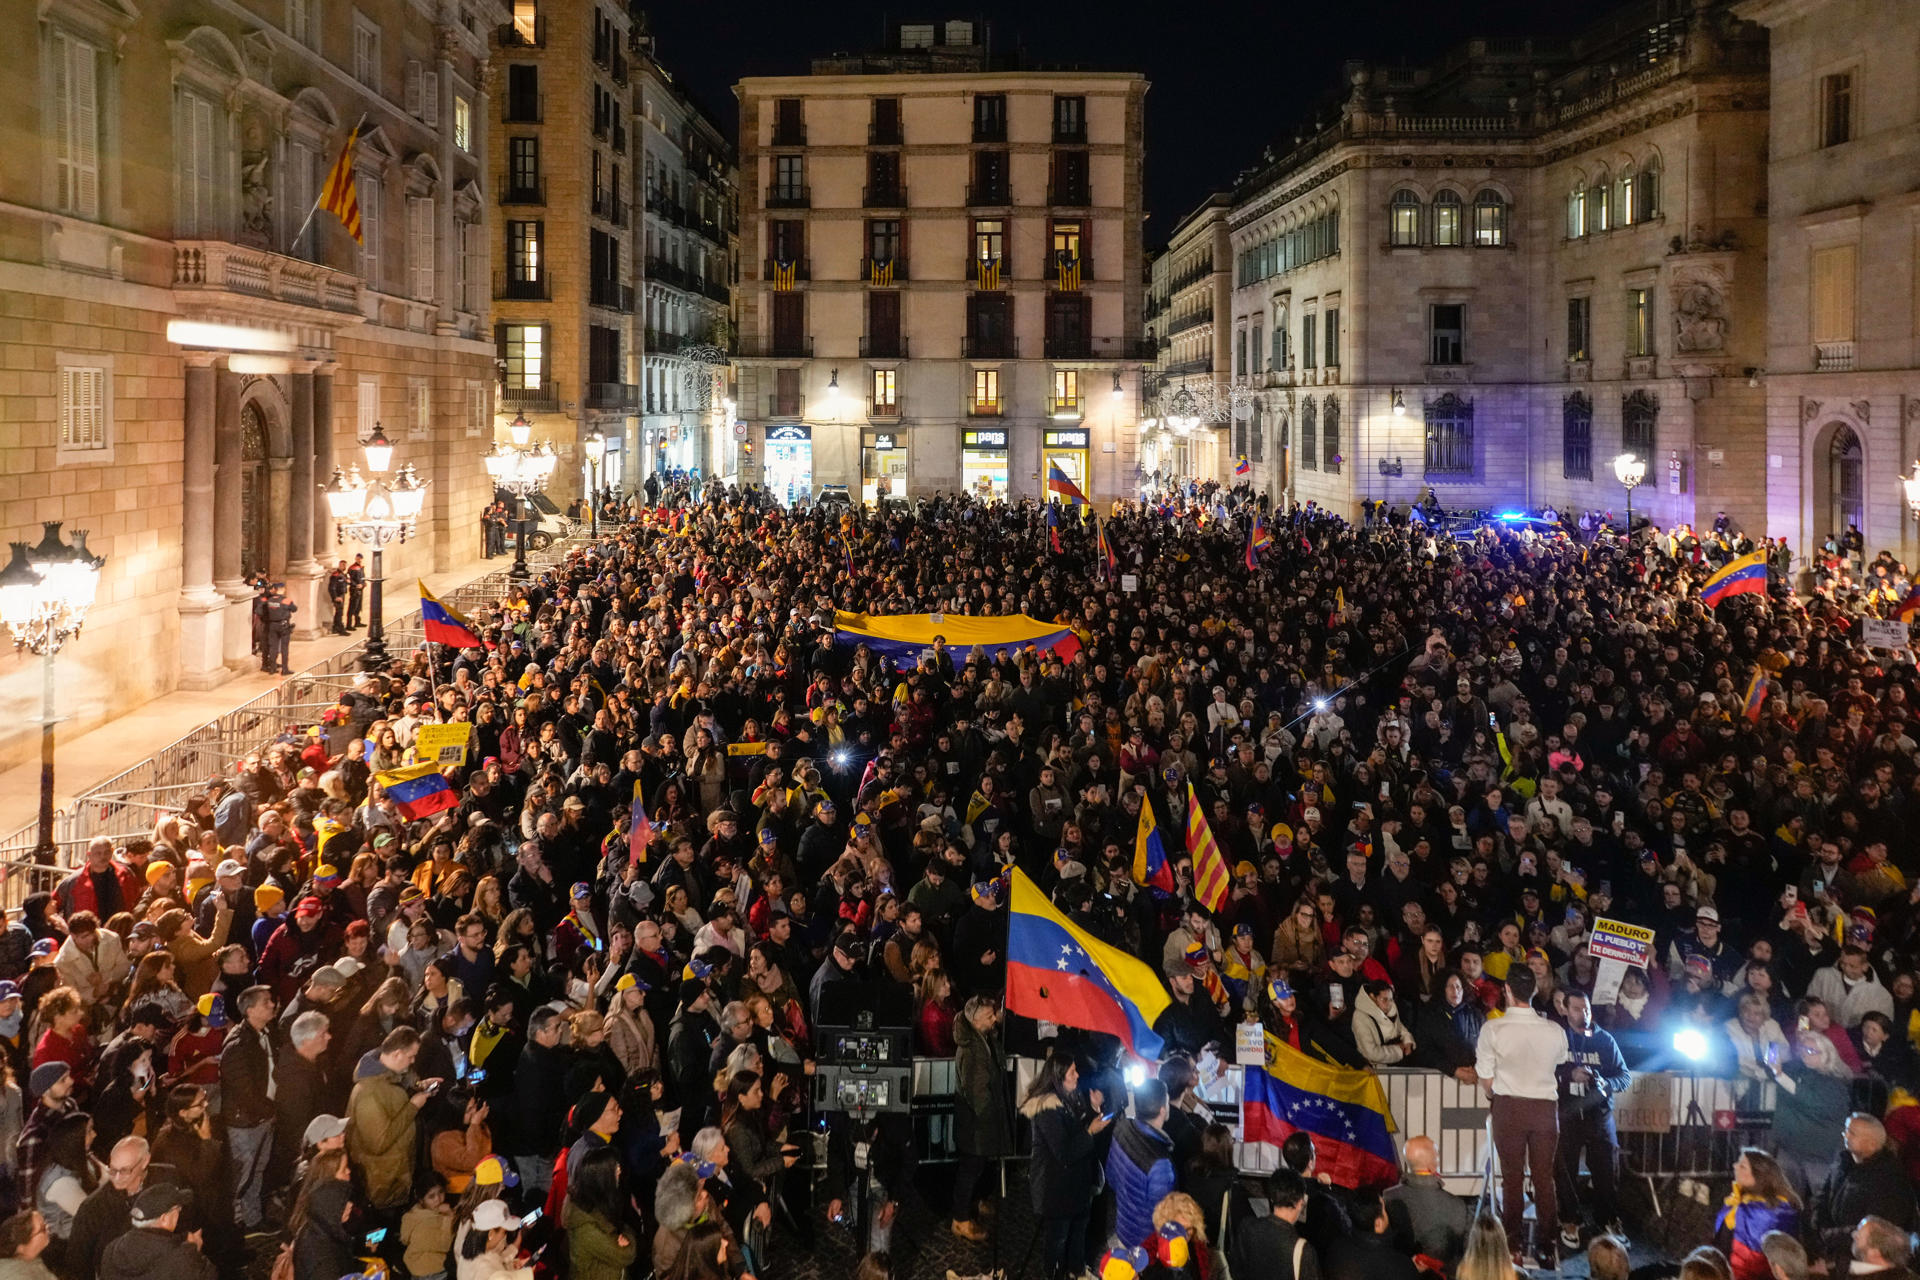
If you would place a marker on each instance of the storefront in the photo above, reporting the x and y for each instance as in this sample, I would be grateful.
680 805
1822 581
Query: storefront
883 465
983 462
788 468
1066 448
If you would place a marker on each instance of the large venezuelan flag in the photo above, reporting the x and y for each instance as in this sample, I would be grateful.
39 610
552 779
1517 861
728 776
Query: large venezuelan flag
1747 574
906 634
418 790
1058 972
444 624
1061 485
1342 1110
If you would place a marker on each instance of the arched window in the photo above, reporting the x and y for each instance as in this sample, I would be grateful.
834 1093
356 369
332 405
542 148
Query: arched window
1638 413
1446 218
1598 204
1576 437
1403 219
1330 436
1489 219
1309 436
1623 206
1646 192
1576 212
1450 436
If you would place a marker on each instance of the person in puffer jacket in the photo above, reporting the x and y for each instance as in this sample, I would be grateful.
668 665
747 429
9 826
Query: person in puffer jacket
1377 1030
1762 1201
1140 1164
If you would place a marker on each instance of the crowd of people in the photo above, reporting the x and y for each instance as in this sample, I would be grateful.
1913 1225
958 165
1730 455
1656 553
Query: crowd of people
562 1015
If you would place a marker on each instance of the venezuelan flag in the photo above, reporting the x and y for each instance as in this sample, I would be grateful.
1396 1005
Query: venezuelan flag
1150 866
1211 879
1058 482
640 834
444 624
1342 1110
1747 574
906 634
1909 604
1053 528
1108 560
1243 467
1061 973
1756 696
418 791
1259 538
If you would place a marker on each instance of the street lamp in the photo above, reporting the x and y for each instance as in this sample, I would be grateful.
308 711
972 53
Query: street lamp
375 512
1630 469
596 447
1399 405
520 471
1910 485
45 592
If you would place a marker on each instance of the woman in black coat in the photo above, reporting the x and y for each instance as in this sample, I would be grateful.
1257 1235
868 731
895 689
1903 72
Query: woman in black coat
981 1131
1065 1165
324 1246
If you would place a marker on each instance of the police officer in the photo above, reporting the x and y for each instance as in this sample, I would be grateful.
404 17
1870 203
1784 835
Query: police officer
356 591
280 611
337 596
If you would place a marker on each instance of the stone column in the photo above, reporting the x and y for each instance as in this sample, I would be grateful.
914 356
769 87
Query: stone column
201 607
446 242
303 572
229 464
323 458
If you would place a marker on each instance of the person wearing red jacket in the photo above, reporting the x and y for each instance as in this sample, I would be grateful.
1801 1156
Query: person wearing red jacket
297 948
102 886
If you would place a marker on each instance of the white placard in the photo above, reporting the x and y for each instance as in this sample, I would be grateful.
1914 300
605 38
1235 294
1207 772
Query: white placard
1884 633
1129 582
1606 982
1250 1044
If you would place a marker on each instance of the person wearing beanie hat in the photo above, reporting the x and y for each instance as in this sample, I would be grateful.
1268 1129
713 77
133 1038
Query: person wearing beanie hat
270 912
51 1088
154 1245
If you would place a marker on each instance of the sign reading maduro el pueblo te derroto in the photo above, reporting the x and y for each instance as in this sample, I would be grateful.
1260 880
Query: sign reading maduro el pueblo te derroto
1618 940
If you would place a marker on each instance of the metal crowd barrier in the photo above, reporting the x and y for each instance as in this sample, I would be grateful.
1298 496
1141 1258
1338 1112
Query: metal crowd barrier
132 801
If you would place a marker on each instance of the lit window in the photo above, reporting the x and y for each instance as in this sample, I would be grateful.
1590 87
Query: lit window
1446 219
883 389
1489 220
1404 219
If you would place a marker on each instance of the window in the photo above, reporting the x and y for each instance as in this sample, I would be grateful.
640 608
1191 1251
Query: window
1280 357
524 348
526 21
1331 330
367 408
1239 352
1579 328
989 117
1576 437
916 35
302 177
198 151
990 177
989 239
1836 109
1065 241
1646 193
1638 411
789 128
75 135
86 407
1446 333
1576 212
885 129
1330 437
1598 205
789 177
884 389
786 237
1256 351
1833 293
1623 206
523 94
1446 219
1309 348
478 411
1071 184
1309 435
1450 436
300 20
1259 434
462 123
368 188
366 52
986 391
523 250
1069 119
419 410
1489 220
523 168
1639 322
420 246
1403 219
883 239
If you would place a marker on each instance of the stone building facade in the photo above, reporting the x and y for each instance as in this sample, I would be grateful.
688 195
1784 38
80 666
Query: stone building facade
1486 278
1190 290
941 286
158 162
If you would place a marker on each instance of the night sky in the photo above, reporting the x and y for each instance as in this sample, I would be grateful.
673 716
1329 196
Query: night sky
1226 80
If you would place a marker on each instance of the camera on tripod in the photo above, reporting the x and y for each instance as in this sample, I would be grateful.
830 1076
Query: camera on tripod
864 1051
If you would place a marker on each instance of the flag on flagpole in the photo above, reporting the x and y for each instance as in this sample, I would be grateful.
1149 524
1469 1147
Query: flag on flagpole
339 196
1211 880
1109 562
1058 482
1742 576
1259 538
640 834
1053 527
445 624
1150 866
1756 697
1058 972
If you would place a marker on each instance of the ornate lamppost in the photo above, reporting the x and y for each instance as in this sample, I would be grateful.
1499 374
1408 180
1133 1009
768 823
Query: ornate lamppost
1630 469
520 471
596 449
375 512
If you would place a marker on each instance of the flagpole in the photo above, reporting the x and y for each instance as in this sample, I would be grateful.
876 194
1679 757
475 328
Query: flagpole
321 194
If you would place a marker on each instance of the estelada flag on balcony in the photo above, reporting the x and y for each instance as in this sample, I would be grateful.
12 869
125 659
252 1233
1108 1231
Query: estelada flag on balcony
906 635
880 272
339 196
1059 972
1068 274
1058 482
418 790
1211 879
783 275
1747 574
988 272
1243 467
1151 870
1343 1111
445 624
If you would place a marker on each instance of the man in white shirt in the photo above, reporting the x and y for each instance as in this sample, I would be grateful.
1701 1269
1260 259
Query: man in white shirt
1516 1058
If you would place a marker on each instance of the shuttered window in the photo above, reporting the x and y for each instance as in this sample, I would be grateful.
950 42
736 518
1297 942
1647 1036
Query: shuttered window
1833 293
198 165
76 125
420 246
83 407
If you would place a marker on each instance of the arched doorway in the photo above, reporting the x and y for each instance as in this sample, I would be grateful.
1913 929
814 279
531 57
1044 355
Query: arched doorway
254 498
1846 508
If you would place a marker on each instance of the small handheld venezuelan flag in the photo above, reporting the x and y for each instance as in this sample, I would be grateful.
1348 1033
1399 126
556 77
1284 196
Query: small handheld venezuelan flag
1259 538
1243 467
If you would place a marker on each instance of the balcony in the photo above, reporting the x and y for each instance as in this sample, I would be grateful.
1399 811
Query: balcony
779 197
530 193
984 409
660 342
1833 357
984 275
789 133
1192 320
603 52
885 135
514 290
1084 347
708 229
718 290
1073 195
883 410
618 396
545 397
1074 410
802 269
886 346
1070 131
990 130
1202 364
619 139
986 348
219 267
1057 271
520 35
883 271
777 347
602 128
607 205
612 295
988 194
525 108
779 406
890 197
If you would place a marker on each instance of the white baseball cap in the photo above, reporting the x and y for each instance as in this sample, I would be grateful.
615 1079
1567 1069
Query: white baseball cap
493 1215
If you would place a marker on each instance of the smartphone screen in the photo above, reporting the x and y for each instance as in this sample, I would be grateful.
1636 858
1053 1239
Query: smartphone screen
530 1217
375 1237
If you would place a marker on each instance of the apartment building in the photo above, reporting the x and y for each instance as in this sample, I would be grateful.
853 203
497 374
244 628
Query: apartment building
1486 278
562 264
941 285
687 190
1185 429
158 165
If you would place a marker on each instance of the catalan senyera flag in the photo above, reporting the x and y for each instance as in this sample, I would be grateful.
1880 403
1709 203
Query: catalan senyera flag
783 276
1909 604
1756 695
1150 866
1259 538
339 196
1745 575
445 624
640 834
1059 972
1243 467
1344 1111
1060 483
1211 879
418 790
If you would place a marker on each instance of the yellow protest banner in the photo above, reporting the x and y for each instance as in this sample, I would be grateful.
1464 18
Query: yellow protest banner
442 743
